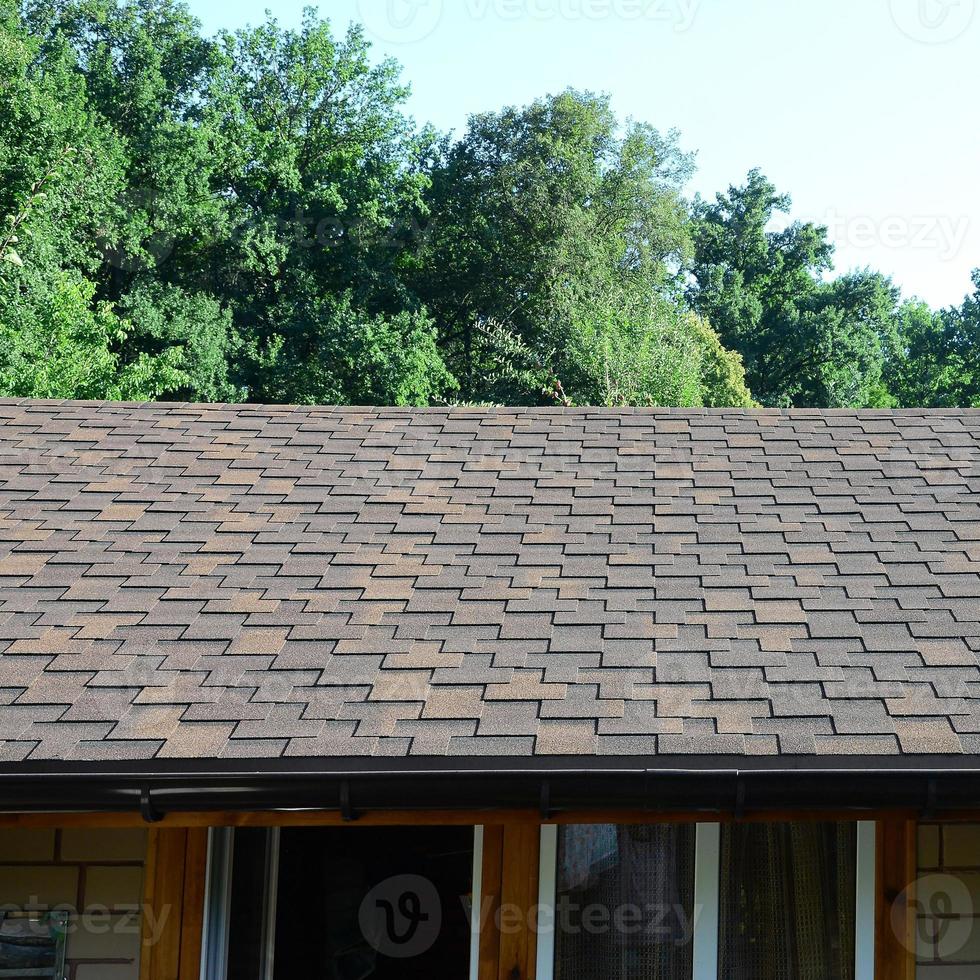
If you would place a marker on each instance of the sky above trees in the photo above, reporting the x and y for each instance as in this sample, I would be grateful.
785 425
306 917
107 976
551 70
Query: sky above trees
865 111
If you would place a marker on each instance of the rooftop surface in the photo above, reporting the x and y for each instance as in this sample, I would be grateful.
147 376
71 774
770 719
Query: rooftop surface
224 582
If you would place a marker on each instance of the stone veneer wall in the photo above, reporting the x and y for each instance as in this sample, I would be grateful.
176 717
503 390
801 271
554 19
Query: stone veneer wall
949 902
98 875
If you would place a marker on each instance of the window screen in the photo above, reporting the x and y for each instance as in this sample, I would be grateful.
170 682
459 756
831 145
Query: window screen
624 903
787 901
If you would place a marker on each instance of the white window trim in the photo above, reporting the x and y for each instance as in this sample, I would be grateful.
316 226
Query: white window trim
707 888
217 892
547 897
707 908
867 887
476 905
217 903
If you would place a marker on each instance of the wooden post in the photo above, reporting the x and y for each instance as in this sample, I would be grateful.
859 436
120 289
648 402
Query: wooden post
173 899
493 870
896 914
519 902
192 919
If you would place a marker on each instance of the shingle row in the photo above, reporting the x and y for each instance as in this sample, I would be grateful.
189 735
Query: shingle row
228 582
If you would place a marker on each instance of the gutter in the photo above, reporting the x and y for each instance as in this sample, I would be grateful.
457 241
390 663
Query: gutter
356 786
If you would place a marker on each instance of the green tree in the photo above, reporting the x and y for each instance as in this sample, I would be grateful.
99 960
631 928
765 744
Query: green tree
936 363
335 353
227 194
163 317
142 70
618 355
963 329
65 168
805 342
538 214
255 216
852 329
57 342
322 170
59 165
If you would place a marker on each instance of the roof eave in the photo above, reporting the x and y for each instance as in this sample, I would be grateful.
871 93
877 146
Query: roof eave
550 786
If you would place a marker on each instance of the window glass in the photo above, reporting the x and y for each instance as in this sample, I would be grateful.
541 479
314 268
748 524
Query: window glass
624 902
352 904
248 915
787 901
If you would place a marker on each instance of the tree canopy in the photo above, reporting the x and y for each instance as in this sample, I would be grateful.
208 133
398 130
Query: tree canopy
254 216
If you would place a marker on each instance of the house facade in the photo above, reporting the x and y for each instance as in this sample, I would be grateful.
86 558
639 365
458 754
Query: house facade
501 694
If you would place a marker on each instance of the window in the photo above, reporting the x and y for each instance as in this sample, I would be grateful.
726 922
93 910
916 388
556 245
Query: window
624 902
711 902
787 901
343 903
255 874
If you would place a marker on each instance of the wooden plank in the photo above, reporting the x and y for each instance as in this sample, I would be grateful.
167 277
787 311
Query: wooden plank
895 930
163 899
192 909
173 897
149 898
519 900
493 857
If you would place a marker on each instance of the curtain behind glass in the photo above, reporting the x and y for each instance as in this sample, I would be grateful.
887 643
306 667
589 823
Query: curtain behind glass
787 901
624 903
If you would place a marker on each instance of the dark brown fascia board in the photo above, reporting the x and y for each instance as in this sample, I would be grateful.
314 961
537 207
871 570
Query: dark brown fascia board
710 785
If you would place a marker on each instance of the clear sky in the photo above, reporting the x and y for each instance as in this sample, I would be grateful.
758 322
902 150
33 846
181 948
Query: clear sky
866 111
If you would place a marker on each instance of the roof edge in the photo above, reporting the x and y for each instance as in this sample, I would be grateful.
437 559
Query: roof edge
719 786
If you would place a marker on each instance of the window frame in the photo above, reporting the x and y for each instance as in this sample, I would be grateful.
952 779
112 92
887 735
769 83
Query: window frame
707 901
476 904
218 898
216 927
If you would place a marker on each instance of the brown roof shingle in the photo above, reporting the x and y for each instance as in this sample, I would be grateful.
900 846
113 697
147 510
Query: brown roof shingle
186 581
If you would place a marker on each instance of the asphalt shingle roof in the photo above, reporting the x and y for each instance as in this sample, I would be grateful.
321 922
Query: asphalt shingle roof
184 581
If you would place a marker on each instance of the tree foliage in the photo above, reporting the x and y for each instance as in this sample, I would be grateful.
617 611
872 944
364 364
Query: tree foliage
254 216
806 341
538 216
936 363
